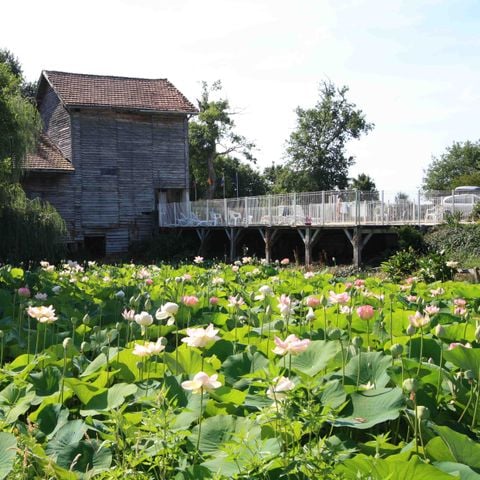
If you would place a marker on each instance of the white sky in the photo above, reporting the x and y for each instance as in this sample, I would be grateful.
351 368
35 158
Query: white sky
413 66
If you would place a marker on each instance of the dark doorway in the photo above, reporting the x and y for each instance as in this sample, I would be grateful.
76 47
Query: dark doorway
95 246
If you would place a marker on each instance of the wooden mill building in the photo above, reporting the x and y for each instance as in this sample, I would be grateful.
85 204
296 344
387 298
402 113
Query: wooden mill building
112 150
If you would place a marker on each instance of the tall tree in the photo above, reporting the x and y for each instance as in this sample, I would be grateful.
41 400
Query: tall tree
459 165
363 183
212 135
315 150
19 120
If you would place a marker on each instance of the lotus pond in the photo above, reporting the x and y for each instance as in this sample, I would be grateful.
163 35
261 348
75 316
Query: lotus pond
246 371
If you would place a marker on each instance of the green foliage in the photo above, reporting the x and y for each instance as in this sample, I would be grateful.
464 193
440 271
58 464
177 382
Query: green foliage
316 148
460 242
401 264
459 165
410 237
32 230
363 183
19 120
165 246
212 135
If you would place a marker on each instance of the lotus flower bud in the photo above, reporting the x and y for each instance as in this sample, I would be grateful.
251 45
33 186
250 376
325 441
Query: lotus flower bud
140 365
1 333
96 328
357 342
410 385
67 342
86 319
148 304
396 350
477 334
422 413
334 334
74 321
104 350
439 331
118 325
410 330
469 375
84 347
324 300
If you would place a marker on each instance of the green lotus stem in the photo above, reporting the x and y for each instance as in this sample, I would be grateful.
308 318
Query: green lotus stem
468 404
236 333
343 361
200 422
421 351
359 364
28 336
391 322
63 375
324 323
368 334
37 341
439 381
474 417
415 426
176 351
45 337
1 347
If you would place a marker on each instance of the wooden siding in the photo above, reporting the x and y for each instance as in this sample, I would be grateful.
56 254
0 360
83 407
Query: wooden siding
57 190
122 160
56 122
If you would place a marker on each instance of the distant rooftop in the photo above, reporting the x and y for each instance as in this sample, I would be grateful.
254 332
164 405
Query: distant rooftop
156 95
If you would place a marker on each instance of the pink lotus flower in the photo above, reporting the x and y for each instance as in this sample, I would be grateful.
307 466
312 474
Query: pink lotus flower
432 309
359 282
280 386
149 281
458 344
418 320
24 292
348 285
186 277
201 337
292 345
338 298
41 296
437 291
236 301
285 305
201 382
129 315
213 300
285 261
308 275
412 298
42 314
198 259
460 311
312 301
365 312
189 300
460 302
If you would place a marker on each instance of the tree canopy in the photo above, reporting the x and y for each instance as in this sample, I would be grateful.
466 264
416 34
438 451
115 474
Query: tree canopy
458 165
316 150
19 120
212 136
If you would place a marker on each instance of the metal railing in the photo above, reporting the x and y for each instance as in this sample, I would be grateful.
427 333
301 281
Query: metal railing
337 207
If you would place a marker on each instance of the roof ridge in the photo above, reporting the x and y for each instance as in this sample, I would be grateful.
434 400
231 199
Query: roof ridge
120 77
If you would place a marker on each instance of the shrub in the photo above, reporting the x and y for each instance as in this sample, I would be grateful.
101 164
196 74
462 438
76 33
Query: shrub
401 264
30 229
410 237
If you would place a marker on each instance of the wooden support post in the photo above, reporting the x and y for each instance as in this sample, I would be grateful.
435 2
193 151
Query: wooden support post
308 240
233 234
357 243
268 236
203 234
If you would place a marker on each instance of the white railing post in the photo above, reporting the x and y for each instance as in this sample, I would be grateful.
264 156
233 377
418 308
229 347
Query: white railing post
207 212
246 211
357 207
175 213
225 219
419 209
294 208
382 207
323 207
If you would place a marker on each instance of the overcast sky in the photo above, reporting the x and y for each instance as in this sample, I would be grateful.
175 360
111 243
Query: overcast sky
412 66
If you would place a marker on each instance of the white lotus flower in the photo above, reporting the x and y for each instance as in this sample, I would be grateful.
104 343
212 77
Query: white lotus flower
42 314
201 382
200 337
167 311
279 387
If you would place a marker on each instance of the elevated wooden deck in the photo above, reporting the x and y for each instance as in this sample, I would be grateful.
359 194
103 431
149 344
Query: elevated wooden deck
358 214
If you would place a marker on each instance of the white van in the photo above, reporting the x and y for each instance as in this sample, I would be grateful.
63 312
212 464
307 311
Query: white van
463 200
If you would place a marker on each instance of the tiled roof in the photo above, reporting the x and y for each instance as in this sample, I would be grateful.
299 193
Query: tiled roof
47 157
118 92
